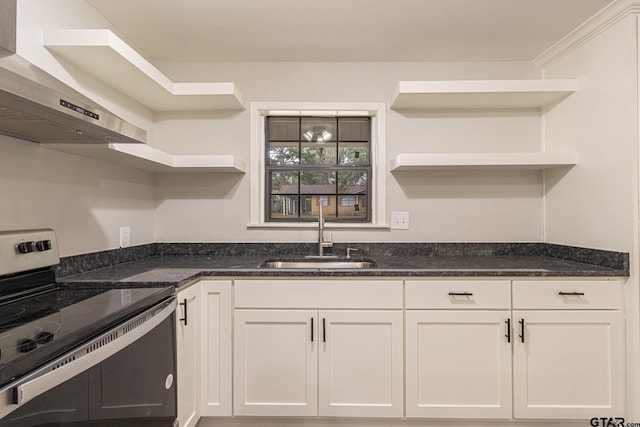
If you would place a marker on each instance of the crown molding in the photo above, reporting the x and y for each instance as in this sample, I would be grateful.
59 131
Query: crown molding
601 21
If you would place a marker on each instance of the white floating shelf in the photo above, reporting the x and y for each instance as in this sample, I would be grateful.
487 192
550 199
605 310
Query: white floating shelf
151 159
479 161
480 94
105 56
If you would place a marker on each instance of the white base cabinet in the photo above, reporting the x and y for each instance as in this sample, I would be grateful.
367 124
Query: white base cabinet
326 363
458 345
461 352
345 361
568 353
568 364
275 370
188 355
458 364
216 348
555 345
360 364
203 342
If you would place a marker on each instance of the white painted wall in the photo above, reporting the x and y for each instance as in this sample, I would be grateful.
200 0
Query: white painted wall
86 201
595 204
443 206
592 205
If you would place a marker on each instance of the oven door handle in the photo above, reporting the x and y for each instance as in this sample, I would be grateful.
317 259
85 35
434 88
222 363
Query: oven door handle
91 353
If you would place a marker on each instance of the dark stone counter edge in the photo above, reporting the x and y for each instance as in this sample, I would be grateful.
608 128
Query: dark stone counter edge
337 273
617 262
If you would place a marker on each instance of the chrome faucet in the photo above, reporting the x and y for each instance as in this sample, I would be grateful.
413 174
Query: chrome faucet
321 243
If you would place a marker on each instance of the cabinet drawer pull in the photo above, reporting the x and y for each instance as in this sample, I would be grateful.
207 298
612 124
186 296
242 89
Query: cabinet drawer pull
508 335
460 294
576 294
184 318
521 321
312 329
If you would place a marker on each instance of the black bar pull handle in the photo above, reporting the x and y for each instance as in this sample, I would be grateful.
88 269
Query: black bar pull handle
521 321
576 294
324 330
508 335
312 329
184 304
460 294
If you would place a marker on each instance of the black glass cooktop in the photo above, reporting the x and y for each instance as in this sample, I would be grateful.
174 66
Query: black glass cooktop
39 327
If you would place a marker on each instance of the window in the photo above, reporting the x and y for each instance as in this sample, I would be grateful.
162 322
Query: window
259 200
312 161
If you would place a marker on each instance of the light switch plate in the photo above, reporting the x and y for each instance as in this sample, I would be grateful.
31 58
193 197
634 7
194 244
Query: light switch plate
399 220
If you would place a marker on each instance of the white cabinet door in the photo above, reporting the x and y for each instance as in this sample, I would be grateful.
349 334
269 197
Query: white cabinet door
276 363
458 364
216 372
360 363
568 364
188 355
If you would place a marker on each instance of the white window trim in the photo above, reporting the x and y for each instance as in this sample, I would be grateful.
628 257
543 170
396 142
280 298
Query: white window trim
258 110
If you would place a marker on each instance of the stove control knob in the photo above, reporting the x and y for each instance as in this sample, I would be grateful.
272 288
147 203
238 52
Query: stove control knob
25 247
26 345
44 337
43 245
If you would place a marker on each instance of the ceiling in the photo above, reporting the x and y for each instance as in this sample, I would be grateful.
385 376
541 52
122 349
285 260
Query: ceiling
345 30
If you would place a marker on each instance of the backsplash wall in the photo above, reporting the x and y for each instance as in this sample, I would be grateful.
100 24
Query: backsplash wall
85 201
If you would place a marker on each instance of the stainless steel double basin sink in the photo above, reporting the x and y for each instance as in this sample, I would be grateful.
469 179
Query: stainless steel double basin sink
319 263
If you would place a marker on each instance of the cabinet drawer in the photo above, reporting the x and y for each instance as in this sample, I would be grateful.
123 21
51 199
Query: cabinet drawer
567 294
458 294
284 293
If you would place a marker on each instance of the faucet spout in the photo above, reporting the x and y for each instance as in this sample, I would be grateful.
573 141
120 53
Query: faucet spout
321 242
320 229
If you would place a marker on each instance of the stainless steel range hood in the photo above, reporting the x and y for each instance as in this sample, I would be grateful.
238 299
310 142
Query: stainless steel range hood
33 111
37 107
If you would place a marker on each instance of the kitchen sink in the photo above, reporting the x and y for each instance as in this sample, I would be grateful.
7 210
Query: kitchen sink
319 263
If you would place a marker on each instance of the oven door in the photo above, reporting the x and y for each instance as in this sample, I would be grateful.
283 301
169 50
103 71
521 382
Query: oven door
125 377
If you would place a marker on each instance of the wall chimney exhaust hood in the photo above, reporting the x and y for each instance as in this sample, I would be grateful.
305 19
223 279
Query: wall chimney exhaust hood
33 111
37 107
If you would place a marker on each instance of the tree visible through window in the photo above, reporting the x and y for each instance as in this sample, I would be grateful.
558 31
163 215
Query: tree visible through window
318 161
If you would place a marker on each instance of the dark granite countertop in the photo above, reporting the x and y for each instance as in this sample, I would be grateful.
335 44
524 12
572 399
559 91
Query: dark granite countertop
178 264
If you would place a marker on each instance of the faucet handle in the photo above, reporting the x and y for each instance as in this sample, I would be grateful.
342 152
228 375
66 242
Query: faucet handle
349 250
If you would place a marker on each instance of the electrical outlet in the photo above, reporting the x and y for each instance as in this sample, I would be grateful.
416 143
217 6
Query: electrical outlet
399 220
125 237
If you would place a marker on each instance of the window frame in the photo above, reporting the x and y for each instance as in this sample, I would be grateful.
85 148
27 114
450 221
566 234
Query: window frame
258 112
